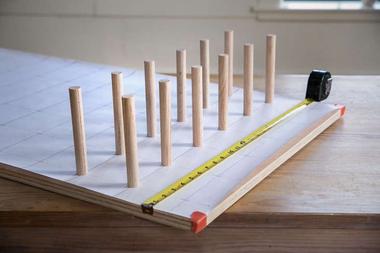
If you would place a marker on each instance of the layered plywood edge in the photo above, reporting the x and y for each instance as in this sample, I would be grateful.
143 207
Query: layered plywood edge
36 140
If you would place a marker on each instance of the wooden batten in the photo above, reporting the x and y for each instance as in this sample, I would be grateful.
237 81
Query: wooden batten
248 80
79 134
117 92
223 91
150 98
229 50
129 118
196 79
165 122
205 63
181 84
270 67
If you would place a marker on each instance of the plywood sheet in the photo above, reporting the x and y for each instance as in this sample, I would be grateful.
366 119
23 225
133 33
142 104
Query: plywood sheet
36 137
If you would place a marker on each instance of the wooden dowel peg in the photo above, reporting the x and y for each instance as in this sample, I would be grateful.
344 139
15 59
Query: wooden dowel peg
205 63
270 68
223 91
248 79
165 122
117 91
181 85
78 130
150 98
229 50
196 79
130 140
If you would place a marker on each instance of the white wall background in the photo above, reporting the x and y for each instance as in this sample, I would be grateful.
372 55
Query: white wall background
126 32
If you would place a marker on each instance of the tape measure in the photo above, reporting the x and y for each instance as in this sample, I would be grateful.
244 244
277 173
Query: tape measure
317 83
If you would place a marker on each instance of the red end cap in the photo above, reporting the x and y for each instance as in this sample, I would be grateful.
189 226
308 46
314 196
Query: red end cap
342 109
199 221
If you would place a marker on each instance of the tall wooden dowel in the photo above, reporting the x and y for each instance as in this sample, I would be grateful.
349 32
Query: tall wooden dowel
165 122
223 91
130 140
78 130
117 91
196 79
229 49
248 79
205 63
181 85
270 68
150 99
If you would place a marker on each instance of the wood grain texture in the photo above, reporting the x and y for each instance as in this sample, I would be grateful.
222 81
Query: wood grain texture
181 84
229 50
223 91
117 92
312 203
165 123
248 79
79 133
205 63
270 67
197 114
150 97
116 232
132 163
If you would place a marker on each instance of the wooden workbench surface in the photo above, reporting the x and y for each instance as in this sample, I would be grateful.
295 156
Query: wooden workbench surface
325 198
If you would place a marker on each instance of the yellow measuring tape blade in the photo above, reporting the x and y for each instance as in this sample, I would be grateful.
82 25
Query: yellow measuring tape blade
147 206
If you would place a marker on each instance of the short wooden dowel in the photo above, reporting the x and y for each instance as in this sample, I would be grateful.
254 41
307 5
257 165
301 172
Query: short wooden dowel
229 50
196 78
150 99
78 130
165 122
181 85
223 91
270 68
205 63
117 92
130 140
248 79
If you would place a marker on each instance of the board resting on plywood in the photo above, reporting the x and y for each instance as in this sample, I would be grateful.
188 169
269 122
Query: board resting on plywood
36 145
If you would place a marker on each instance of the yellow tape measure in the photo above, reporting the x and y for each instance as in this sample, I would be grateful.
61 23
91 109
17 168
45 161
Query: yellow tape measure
147 206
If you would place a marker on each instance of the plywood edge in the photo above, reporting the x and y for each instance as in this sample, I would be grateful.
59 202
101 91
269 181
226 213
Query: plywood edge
50 184
274 161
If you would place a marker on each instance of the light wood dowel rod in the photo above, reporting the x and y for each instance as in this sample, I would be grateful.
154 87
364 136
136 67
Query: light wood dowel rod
196 79
270 68
130 140
150 99
248 79
117 92
223 91
165 122
181 85
78 130
229 50
205 63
